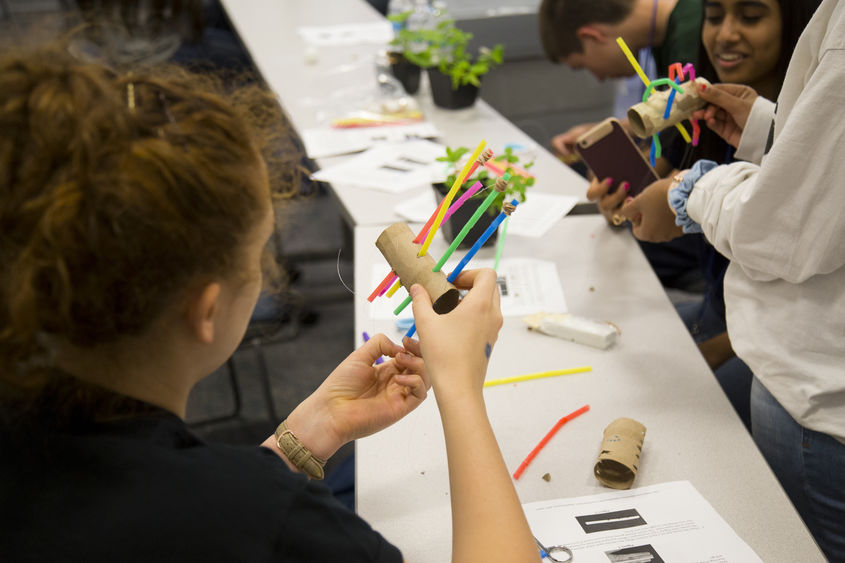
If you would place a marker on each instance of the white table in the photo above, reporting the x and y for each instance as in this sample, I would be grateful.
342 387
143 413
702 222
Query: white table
654 374
268 29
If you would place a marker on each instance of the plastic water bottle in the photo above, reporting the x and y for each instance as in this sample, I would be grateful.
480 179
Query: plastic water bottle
421 18
399 7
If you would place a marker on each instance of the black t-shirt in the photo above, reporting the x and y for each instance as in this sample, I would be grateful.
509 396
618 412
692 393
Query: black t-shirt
144 488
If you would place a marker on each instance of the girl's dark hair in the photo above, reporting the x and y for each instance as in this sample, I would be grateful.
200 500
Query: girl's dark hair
116 193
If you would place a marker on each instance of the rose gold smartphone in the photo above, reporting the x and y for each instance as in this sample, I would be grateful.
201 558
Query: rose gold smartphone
610 152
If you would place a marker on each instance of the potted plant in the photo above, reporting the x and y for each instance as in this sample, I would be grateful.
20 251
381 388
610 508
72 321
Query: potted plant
509 163
453 72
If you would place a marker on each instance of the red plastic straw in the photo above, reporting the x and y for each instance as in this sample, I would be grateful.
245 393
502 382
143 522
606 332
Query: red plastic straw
389 278
546 438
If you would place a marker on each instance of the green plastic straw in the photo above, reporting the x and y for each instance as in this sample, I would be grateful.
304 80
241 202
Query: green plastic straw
501 245
469 225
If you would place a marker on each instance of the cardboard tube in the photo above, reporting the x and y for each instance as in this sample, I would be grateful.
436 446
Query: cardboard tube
646 118
396 244
619 458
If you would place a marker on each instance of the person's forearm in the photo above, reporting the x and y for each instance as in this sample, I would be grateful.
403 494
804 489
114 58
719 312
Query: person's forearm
488 522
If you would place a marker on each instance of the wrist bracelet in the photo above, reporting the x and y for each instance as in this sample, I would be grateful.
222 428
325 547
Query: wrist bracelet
298 454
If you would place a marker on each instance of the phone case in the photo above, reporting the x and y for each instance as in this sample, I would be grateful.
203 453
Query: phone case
610 152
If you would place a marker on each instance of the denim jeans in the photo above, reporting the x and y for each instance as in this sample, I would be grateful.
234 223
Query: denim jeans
734 376
810 466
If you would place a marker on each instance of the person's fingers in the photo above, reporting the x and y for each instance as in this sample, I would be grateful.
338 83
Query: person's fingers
414 383
630 209
374 348
412 346
597 189
409 362
732 100
483 284
616 198
467 278
421 305
563 144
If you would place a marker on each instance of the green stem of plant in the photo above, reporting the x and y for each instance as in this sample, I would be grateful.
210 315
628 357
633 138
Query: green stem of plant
501 245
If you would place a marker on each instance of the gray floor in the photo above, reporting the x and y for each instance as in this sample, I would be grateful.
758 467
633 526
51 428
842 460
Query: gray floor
300 355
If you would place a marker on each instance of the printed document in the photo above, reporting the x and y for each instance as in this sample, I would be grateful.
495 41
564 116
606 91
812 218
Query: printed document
666 523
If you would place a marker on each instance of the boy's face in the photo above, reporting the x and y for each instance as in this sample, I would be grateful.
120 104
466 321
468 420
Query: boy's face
604 59
600 55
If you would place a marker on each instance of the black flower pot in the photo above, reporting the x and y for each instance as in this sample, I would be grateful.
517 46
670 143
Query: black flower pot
443 94
456 222
406 72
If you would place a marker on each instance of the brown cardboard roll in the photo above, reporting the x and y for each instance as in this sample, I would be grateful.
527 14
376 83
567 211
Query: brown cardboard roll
646 118
619 458
396 244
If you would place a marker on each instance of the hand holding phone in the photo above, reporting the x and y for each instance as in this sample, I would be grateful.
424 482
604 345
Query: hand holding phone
610 152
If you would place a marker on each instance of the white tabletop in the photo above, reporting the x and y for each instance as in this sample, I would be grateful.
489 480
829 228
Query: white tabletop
307 84
654 374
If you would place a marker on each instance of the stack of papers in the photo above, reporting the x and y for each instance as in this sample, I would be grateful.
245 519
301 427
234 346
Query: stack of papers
322 142
393 168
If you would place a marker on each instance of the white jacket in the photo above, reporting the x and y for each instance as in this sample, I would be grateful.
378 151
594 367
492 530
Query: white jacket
782 225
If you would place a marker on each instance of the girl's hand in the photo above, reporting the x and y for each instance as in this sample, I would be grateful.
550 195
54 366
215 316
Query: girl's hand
358 398
457 345
652 218
729 106
608 203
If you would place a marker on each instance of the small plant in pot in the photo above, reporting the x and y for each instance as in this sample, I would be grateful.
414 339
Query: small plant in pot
453 72
508 163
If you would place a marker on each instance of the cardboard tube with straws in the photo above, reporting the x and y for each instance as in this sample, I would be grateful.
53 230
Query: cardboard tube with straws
646 118
619 459
396 244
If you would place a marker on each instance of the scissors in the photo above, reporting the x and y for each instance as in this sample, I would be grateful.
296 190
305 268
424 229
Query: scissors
553 552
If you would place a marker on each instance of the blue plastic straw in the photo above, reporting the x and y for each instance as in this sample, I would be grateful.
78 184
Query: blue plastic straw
472 252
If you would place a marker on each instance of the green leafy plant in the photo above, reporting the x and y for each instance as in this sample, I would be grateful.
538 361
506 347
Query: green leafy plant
445 47
517 185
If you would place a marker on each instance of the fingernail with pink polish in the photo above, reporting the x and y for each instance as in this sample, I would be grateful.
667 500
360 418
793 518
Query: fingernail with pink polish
609 180
629 199
626 186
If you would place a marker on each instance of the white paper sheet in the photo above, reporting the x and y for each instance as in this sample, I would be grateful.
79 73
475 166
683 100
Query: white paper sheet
539 213
322 142
670 523
395 167
347 34
526 286
417 209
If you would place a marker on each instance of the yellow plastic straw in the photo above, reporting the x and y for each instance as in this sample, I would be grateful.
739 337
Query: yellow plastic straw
530 376
633 60
459 181
393 289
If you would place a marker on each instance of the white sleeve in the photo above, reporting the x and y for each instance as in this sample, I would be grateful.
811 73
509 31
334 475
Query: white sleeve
787 219
755 135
